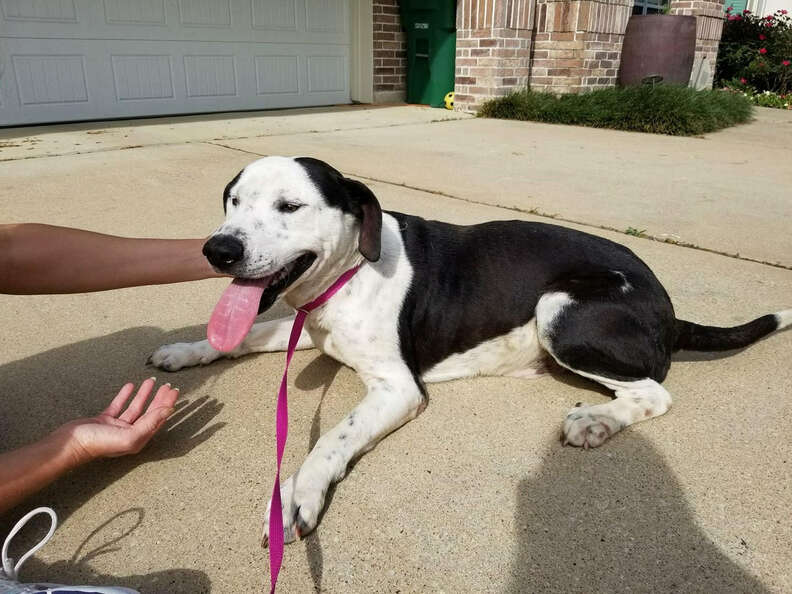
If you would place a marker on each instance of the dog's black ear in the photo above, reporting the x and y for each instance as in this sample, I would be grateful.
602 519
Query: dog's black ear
229 186
370 238
350 196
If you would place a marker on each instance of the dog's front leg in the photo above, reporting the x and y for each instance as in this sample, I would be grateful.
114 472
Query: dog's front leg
263 337
389 403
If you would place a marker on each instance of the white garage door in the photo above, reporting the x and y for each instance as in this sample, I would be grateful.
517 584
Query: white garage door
63 60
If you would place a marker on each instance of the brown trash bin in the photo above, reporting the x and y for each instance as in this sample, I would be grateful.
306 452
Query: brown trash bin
658 45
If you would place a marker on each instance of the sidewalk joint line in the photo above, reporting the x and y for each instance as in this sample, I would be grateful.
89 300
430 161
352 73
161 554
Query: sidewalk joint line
555 217
229 139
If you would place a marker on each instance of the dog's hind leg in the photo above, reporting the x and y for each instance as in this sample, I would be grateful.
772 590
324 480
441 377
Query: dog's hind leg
606 342
263 337
590 425
392 399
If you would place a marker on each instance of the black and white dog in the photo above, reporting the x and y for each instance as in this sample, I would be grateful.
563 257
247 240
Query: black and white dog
435 302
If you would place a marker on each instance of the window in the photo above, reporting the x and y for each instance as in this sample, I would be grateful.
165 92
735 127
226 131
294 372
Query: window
737 5
649 6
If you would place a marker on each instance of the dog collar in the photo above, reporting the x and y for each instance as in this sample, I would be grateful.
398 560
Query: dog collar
282 424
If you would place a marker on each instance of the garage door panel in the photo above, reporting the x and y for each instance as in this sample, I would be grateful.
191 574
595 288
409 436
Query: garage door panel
210 75
326 74
274 15
140 12
277 75
142 76
282 21
325 16
70 78
63 11
48 79
205 13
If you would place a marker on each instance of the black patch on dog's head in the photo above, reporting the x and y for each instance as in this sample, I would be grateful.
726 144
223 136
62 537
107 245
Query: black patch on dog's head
227 191
350 196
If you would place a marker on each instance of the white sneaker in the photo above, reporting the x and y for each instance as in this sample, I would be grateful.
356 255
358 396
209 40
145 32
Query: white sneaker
9 582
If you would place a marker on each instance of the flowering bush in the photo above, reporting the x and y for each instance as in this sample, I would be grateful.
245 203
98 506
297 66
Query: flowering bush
763 99
757 50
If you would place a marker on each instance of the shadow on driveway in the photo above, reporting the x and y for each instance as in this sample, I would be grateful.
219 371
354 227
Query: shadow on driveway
615 520
103 540
41 392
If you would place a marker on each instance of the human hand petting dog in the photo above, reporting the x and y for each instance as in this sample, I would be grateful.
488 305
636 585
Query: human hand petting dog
116 431
45 259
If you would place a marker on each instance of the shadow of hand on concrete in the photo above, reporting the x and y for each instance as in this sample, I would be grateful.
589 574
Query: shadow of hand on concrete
44 391
615 520
108 538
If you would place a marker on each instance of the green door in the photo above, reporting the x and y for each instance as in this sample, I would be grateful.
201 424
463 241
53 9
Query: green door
431 49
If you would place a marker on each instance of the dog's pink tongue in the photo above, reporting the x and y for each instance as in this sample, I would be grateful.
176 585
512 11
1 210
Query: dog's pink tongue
234 313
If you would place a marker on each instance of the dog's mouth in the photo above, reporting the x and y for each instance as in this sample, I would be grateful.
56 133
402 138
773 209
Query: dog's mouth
284 278
245 298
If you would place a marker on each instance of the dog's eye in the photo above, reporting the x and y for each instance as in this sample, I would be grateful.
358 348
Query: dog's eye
288 206
235 201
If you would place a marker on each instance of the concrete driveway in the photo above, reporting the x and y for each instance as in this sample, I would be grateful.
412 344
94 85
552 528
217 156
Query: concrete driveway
477 494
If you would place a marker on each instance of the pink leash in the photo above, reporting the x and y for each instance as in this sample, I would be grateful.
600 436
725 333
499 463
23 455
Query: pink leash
282 425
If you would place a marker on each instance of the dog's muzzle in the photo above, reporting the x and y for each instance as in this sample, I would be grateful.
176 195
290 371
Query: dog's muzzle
223 251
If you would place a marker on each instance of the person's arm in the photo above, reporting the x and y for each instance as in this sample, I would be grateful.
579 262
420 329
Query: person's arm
112 433
42 259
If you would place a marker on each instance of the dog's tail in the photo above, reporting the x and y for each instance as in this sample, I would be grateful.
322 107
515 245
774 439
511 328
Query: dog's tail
693 337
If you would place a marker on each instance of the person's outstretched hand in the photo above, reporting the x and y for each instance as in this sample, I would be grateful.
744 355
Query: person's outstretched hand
116 432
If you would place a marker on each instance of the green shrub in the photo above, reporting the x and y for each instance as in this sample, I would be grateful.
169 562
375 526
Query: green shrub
757 51
662 109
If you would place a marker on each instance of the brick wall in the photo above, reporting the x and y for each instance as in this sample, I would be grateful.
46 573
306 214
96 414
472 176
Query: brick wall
562 46
390 53
577 44
709 26
493 49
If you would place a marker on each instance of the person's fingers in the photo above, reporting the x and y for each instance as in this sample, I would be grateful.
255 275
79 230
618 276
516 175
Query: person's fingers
138 403
164 398
117 405
146 426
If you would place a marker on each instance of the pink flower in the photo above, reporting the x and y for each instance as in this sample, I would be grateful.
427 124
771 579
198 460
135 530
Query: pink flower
763 51
769 17
743 81
762 37
746 12
730 9
783 11
786 62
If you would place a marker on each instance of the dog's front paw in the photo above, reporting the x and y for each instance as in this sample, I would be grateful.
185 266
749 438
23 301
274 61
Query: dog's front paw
587 427
300 504
172 357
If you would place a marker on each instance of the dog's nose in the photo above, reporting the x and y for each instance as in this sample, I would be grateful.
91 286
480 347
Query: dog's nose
223 251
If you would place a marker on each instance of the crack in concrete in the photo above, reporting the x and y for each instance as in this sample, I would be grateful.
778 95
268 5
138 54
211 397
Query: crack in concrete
212 140
552 216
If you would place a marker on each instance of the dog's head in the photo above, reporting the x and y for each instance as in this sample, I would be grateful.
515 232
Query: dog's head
288 218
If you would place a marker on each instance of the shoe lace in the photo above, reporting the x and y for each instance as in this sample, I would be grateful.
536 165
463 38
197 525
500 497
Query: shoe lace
11 570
